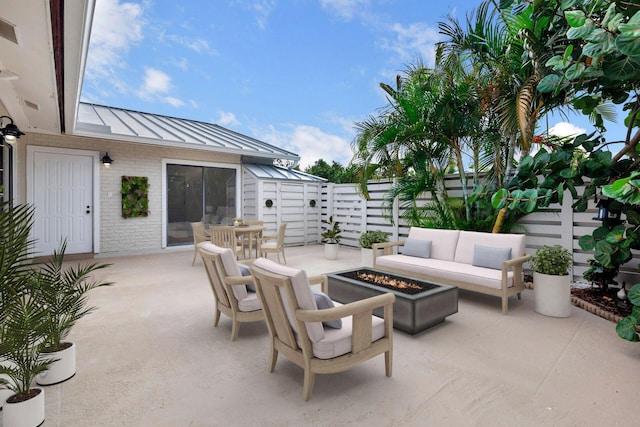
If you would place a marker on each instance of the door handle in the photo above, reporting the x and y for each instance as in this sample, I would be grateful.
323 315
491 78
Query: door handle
88 210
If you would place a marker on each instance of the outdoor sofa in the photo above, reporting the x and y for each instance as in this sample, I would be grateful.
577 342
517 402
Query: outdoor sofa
480 262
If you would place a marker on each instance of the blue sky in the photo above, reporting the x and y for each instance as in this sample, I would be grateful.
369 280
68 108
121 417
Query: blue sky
293 73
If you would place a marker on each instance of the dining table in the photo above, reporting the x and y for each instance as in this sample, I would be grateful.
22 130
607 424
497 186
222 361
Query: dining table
251 232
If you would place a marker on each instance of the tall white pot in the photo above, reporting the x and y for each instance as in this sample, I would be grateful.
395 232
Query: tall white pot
366 257
62 369
331 250
29 413
552 295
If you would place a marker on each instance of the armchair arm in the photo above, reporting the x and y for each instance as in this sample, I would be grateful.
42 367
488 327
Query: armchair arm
321 280
387 247
516 261
351 309
246 261
238 280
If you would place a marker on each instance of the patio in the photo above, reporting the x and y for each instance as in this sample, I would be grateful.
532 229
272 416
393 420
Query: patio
150 356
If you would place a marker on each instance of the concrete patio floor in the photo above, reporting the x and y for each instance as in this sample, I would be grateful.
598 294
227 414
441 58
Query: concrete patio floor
150 356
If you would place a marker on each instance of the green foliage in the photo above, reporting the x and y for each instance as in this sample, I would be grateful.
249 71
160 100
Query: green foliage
627 328
135 196
64 292
368 238
335 172
553 260
332 234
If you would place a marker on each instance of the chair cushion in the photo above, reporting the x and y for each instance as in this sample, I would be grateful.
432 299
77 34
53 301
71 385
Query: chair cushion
337 342
250 302
269 245
303 293
417 248
323 301
230 265
490 257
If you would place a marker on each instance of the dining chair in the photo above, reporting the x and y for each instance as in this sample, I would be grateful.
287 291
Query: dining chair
251 240
199 236
225 237
274 244
299 329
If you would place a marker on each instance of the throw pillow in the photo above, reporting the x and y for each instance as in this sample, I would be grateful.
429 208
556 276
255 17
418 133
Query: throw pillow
323 301
245 271
490 257
416 248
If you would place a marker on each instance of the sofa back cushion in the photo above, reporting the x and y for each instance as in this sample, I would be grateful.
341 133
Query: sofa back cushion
469 239
230 266
443 244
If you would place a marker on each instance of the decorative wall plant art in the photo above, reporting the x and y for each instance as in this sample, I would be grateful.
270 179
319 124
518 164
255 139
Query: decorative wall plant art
135 196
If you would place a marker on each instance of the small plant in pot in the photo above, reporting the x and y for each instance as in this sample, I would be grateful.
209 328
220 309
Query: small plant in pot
551 281
331 238
64 292
367 240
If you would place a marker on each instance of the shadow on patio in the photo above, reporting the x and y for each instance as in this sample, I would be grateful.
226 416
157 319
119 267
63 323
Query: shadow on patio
150 356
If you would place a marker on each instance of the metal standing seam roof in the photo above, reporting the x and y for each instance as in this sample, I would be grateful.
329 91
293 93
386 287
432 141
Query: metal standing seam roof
128 125
277 172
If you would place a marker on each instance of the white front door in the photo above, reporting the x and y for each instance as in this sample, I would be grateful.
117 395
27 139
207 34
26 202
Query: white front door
62 194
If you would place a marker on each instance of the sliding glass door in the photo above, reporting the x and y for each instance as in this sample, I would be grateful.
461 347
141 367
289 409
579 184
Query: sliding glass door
198 193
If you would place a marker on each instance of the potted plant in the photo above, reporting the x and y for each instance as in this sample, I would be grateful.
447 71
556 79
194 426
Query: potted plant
551 281
367 240
64 292
22 321
331 238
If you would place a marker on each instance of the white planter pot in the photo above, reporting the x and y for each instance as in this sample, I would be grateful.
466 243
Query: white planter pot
5 393
552 295
366 257
29 413
61 370
331 250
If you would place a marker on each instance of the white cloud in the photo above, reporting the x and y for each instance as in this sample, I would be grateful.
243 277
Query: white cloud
227 119
566 129
198 45
309 142
261 8
116 27
156 85
412 40
345 9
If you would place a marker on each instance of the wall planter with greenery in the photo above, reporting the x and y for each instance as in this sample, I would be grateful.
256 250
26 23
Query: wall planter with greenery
551 281
135 196
367 240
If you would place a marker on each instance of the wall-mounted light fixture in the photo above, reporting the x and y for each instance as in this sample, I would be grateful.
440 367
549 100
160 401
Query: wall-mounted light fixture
312 203
10 131
268 203
106 160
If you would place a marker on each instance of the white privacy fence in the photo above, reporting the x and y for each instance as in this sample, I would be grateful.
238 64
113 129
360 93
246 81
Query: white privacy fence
558 224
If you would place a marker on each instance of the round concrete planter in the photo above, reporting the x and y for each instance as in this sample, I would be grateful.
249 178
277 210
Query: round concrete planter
331 250
29 413
366 257
552 295
62 369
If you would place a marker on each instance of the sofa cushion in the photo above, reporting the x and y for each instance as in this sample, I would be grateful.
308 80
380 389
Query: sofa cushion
337 342
323 302
490 257
446 270
230 265
302 289
417 248
468 239
444 241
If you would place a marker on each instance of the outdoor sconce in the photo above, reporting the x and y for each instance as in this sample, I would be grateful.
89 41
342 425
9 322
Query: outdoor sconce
312 203
10 131
268 203
603 210
106 160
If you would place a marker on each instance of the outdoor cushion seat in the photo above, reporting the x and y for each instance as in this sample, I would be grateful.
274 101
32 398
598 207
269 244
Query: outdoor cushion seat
296 328
229 287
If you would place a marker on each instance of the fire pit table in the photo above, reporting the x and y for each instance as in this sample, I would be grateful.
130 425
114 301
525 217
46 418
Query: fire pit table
419 304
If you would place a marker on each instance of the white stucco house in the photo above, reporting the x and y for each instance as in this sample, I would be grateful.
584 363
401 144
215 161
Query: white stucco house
194 170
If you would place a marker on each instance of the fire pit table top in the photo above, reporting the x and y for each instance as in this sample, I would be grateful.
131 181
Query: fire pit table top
419 304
